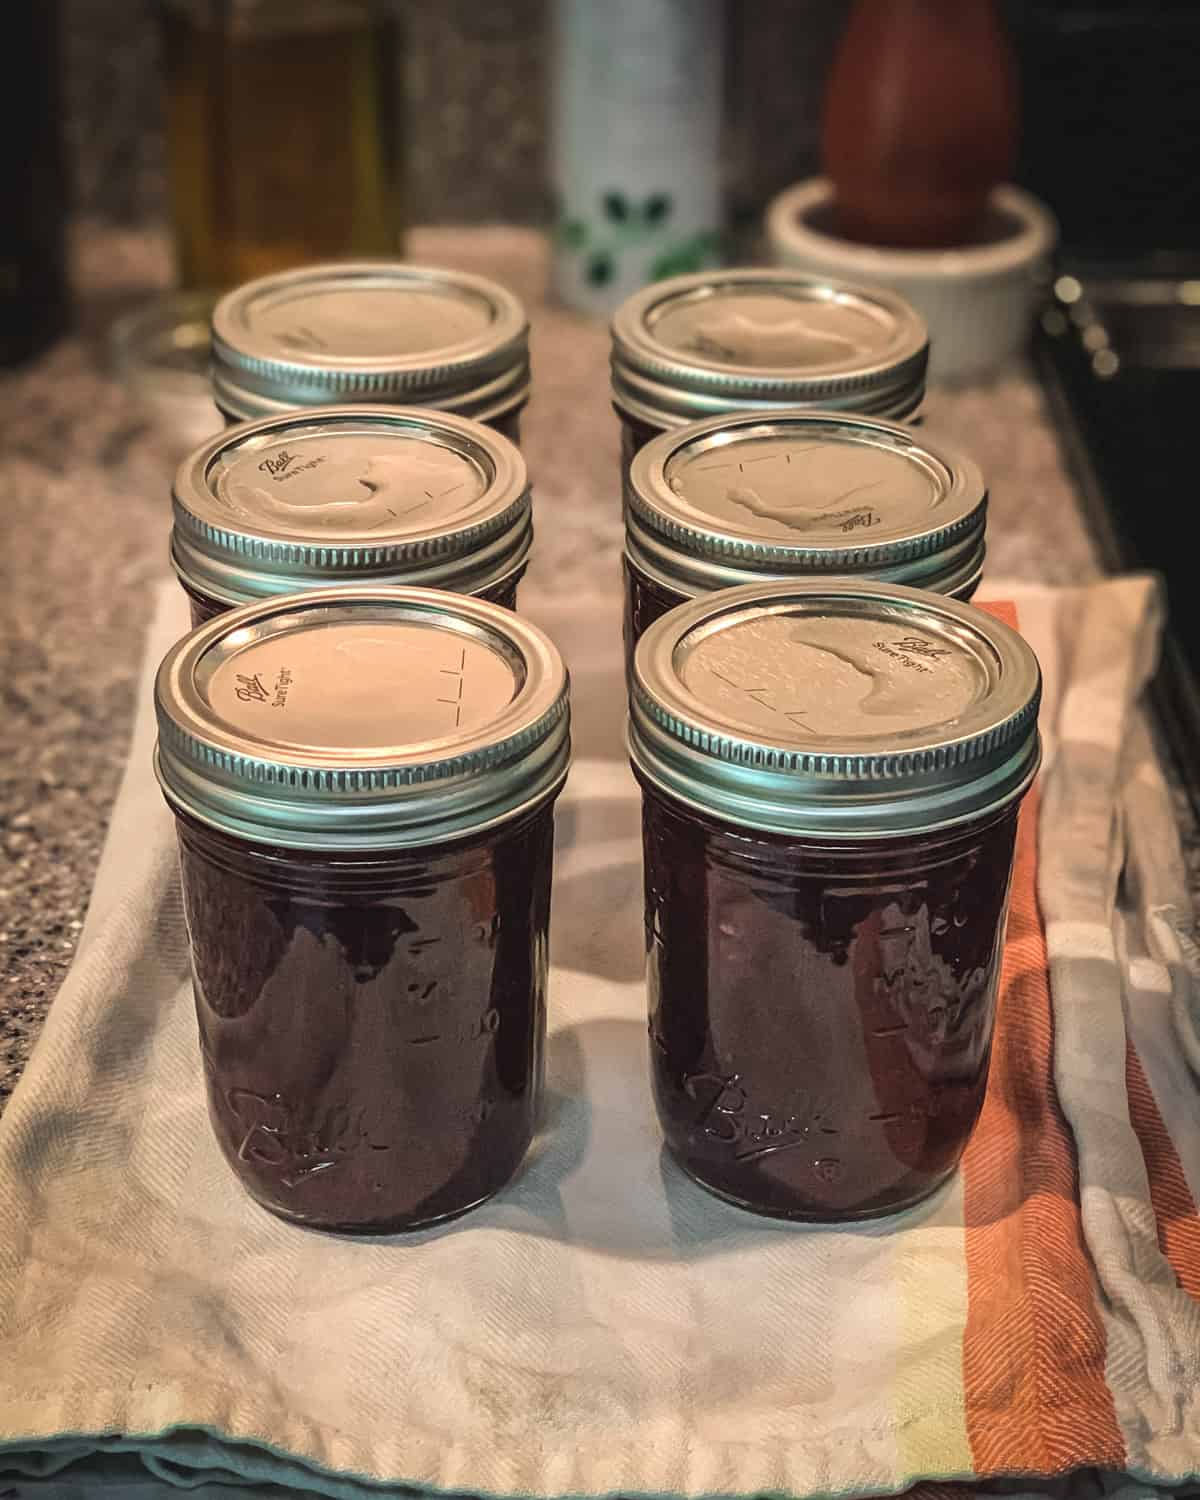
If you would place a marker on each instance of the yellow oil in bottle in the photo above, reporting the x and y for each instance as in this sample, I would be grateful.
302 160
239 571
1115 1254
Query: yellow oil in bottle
283 134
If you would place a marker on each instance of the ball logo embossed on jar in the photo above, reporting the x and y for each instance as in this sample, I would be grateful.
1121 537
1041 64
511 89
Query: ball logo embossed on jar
831 775
363 782
733 1118
295 1147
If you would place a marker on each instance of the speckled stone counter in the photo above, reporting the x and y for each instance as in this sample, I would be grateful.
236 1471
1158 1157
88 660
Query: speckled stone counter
84 483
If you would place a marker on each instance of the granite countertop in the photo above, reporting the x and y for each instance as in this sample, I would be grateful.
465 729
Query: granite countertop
85 476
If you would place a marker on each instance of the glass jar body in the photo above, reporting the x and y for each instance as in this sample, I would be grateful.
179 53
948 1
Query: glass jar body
372 1025
205 607
821 1013
635 434
646 600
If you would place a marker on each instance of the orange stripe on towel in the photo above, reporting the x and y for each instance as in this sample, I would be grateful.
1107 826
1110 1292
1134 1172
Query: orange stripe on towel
1174 1206
1034 1346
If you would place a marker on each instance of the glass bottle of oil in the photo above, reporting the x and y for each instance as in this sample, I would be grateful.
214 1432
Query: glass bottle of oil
283 133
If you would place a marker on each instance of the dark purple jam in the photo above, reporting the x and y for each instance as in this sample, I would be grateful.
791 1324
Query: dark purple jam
204 608
635 434
372 1026
821 1013
646 600
201 607
508 425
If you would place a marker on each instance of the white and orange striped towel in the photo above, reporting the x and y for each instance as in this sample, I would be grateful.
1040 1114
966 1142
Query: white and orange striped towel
604 1328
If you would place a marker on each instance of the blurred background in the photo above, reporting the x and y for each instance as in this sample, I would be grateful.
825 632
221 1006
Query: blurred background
476 81
475 103
348 121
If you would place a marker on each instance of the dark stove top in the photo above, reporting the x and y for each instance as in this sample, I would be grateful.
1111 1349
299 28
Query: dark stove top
1119 352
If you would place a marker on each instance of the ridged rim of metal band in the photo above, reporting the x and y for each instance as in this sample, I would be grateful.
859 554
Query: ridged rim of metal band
830 790
477 404
654 378
253 563
477 572
955 572
667 409
433 791
501 353
650 500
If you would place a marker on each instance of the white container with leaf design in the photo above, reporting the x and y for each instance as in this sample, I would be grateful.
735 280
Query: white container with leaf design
636 145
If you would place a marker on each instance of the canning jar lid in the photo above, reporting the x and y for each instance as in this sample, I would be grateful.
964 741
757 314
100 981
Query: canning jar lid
757 496
840 709
370 331
719 341
361 718
342 494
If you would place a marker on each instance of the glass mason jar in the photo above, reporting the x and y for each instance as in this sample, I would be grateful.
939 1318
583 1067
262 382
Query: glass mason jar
366 331
363 781
284 136
350 494
831 774
724 342
764 496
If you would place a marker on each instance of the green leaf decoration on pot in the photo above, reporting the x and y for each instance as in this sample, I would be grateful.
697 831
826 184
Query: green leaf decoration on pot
622 225
656 209
688 255
600 268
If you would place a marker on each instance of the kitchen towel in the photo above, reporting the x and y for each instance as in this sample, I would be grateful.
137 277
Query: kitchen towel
604 1328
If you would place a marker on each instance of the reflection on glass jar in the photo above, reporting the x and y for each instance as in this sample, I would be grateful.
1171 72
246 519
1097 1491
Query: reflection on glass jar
329 495
724 342
283 133
363 782
770 496
878 967
372 331
831 778
372 1027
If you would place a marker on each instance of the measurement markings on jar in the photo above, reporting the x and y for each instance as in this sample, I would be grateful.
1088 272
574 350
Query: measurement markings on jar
915 1110
458 673
755 694
767 458
477 1030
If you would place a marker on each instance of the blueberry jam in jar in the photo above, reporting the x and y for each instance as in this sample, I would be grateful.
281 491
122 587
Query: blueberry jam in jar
363 782
723 342
389 495
368 331
831 778
789 495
